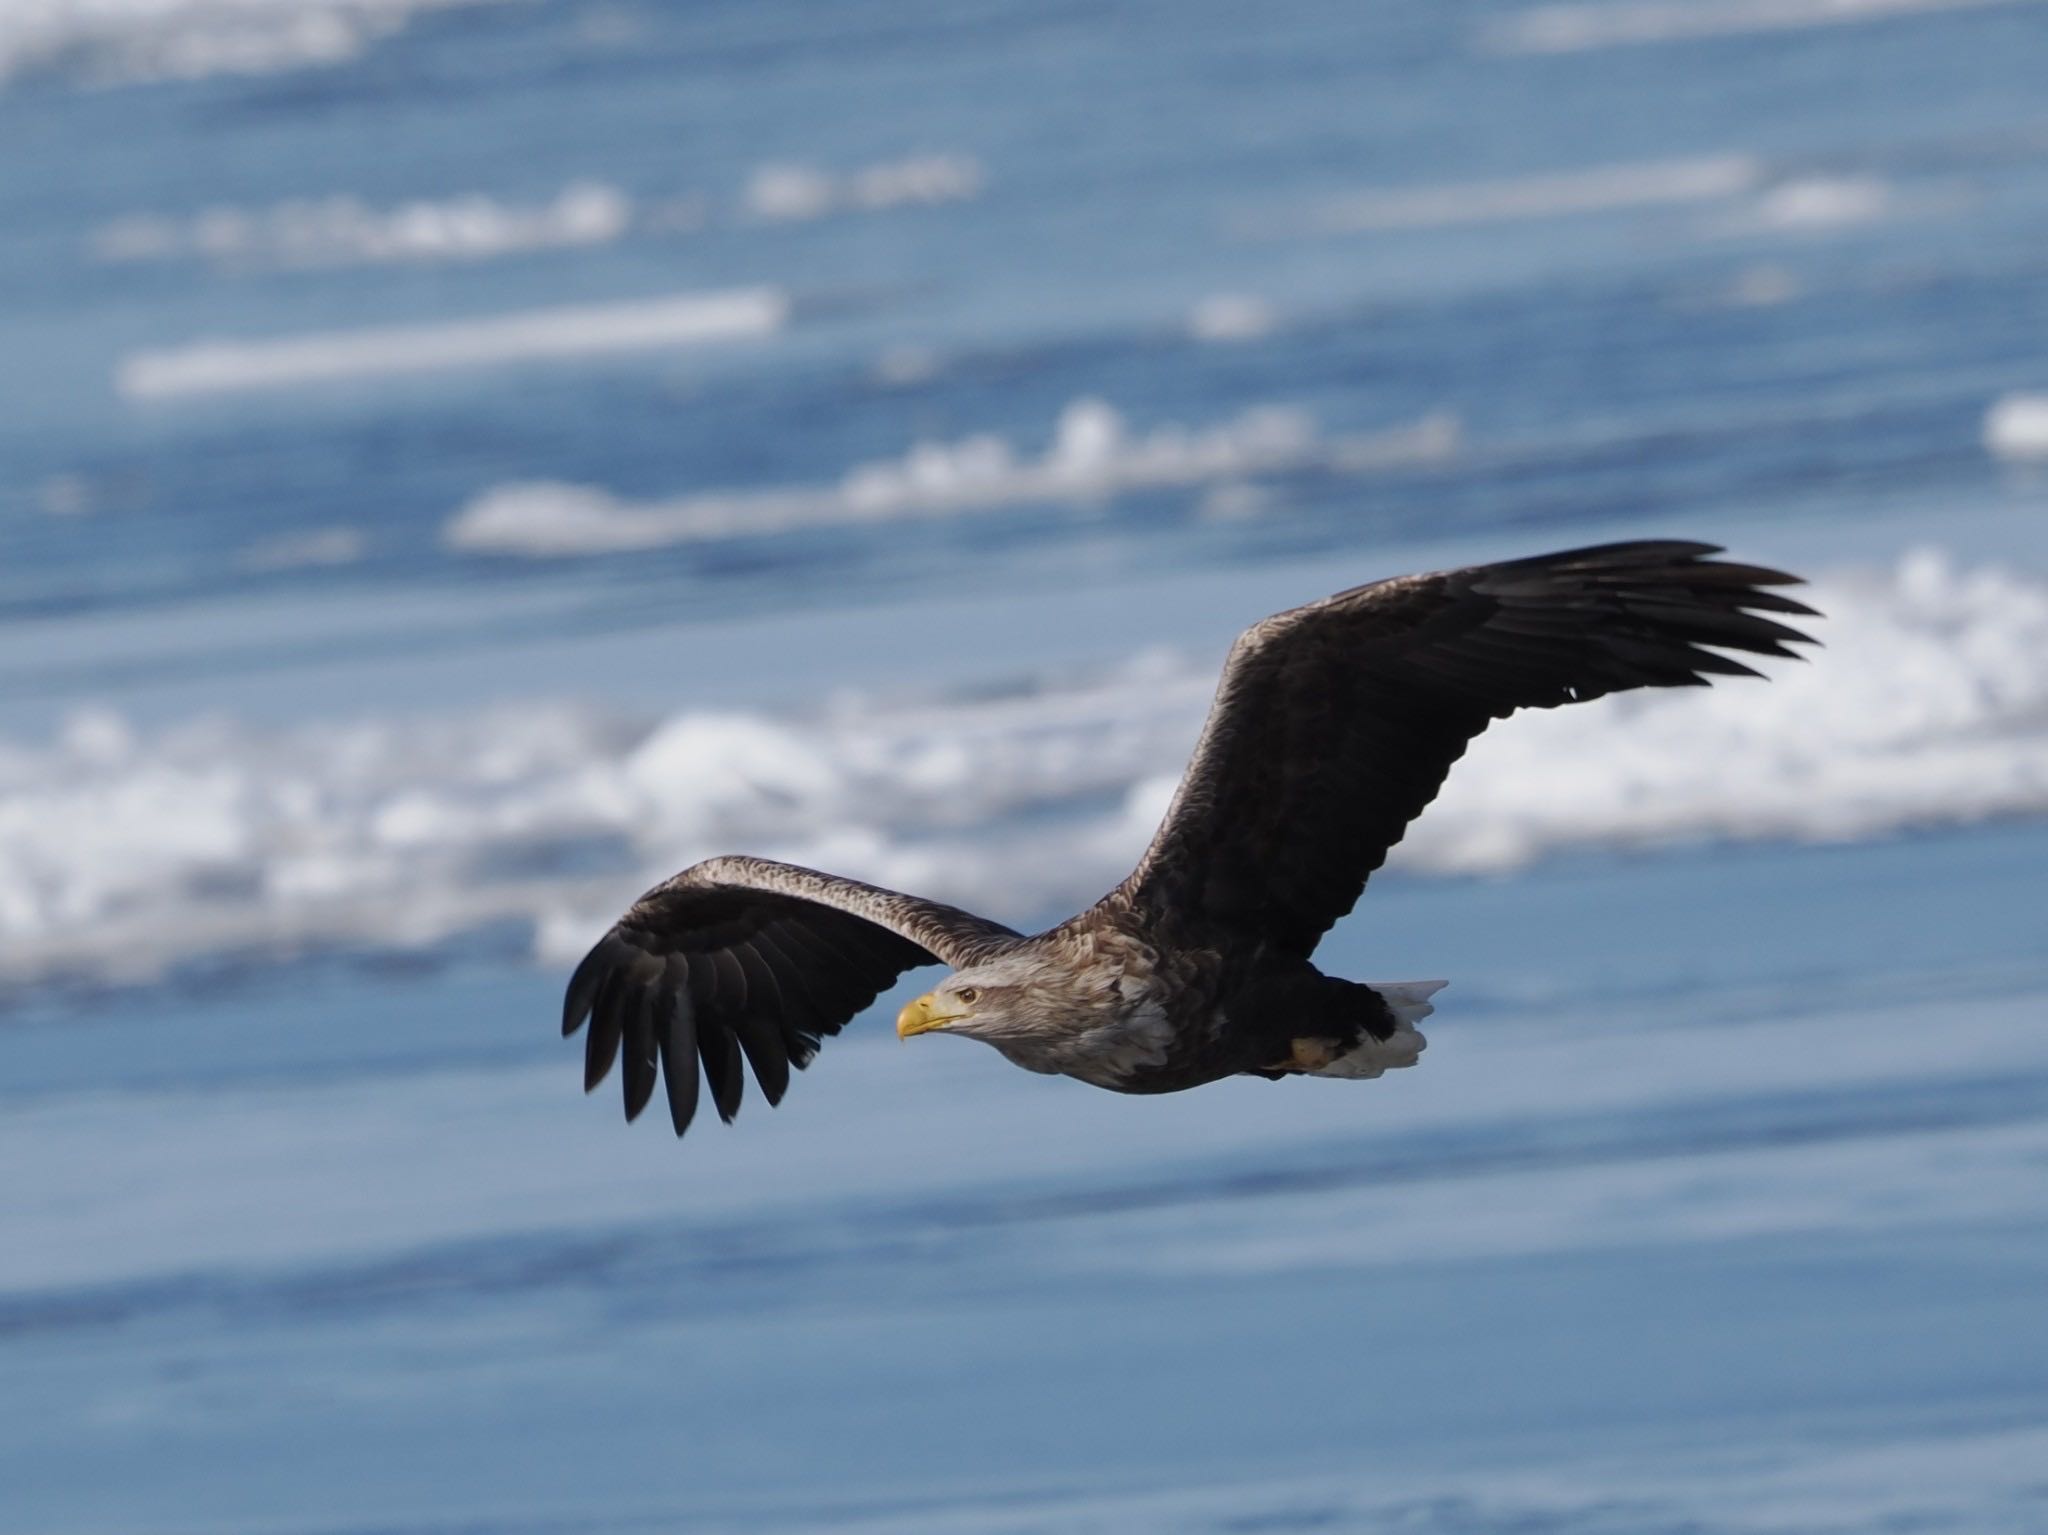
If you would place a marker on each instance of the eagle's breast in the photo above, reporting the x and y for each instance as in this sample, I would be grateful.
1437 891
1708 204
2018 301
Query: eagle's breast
1119 1048
1128 1013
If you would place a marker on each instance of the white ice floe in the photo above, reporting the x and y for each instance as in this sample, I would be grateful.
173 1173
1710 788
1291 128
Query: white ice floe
1741 194
343 230
1824 202
1765 285
1093 456
66 495
113 41
903 367
122 850
319 548
1231 317
1804 204
1758 287
1592 189
1571 28
2016 427
533 335
792 191
1980 1479
1928 707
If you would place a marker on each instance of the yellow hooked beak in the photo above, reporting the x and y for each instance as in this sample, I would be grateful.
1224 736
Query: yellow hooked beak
922 1016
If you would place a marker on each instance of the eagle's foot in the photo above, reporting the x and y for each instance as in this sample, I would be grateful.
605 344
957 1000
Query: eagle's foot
1311 1054
1362 1056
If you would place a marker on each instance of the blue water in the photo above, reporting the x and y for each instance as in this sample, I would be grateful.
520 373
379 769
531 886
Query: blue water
1716 1205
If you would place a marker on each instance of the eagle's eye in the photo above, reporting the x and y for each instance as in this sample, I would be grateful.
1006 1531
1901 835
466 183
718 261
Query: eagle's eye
969 995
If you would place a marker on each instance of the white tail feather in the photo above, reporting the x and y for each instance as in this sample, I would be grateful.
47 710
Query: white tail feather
1409 1002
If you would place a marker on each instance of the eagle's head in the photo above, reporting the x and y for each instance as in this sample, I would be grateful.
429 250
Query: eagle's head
1018 996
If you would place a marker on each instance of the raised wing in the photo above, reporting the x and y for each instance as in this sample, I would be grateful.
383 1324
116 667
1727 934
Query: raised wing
1336 723
747 957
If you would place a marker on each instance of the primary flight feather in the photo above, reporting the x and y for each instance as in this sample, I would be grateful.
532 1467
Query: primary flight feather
1334 725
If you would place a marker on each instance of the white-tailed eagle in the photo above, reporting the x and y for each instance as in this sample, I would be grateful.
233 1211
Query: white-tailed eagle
1333 726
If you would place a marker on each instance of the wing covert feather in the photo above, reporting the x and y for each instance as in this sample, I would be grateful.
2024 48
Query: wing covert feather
1335 724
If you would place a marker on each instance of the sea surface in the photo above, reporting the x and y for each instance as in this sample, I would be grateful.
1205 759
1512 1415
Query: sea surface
462 460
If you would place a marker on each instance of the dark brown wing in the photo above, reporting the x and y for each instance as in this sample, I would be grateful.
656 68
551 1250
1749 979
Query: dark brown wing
1336 723
746 958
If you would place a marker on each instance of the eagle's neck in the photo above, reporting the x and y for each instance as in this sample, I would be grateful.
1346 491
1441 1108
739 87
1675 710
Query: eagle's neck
1107 1011
1109 1047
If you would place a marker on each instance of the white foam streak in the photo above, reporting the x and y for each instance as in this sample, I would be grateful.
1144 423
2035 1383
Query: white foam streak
1824 202
1572 28
122 852
321 548
1982 1480
1231 317
1595 189
114 41
342 230
2016 428
687 319
1093 456
794 192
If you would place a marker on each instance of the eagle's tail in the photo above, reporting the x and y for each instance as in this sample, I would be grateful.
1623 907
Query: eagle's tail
1409 1002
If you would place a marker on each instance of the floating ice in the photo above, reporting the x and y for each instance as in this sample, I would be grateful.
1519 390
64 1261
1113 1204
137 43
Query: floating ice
797 192
341 229
1760 287
2016 427
113 41
123 851
1093 456
305 551
684 319
1594 189
1571 28
335 231
1231 317
1824 202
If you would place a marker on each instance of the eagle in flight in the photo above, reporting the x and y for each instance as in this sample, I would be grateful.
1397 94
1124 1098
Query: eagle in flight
1333 726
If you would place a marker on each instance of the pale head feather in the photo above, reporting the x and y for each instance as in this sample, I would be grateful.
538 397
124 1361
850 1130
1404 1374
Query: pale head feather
1017 996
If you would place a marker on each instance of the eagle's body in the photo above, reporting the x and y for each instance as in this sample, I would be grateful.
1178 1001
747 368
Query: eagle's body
1121 1001
1334 725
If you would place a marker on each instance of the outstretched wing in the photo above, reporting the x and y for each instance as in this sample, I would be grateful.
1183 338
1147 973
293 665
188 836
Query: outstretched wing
744 956
1336 723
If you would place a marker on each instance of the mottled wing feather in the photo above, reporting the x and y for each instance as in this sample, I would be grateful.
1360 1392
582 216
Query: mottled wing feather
743 963
1336 723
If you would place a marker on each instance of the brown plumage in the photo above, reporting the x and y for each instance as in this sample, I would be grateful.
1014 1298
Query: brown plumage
1334 726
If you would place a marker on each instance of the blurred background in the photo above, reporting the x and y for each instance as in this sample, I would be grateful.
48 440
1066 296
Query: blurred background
462 461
